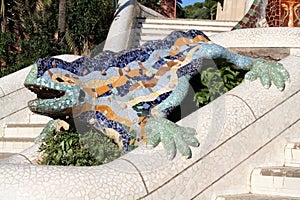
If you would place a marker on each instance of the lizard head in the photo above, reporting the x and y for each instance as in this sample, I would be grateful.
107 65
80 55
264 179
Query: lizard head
56 89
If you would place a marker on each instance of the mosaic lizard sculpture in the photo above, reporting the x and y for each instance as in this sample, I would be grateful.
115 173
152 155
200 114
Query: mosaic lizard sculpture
127 95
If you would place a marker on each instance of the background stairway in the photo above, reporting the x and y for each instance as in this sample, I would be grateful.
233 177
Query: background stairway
157 28
19 136
274 183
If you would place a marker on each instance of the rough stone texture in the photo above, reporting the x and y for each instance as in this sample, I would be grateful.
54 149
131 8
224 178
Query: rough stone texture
260 37
118 180
255 197
13 82
295 51
249 91
274 54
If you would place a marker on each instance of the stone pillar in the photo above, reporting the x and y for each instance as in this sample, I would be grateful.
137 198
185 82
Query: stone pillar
232 10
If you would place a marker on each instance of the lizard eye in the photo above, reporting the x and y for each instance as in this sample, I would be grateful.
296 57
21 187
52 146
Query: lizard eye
60 80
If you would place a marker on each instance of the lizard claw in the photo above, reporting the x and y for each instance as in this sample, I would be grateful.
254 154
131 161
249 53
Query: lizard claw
173 137
268 72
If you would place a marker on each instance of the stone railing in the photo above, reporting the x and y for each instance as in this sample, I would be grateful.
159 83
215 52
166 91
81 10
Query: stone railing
122 28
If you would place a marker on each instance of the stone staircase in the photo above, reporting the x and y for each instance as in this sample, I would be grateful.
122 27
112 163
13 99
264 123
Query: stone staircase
157 28
274 183
19 136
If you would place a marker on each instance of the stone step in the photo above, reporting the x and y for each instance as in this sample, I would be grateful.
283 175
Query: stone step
22 130
5 155
14 145
148 29
148 37
283 181
186 21
38 119
163 32
255 197
183 27
141 40
292 154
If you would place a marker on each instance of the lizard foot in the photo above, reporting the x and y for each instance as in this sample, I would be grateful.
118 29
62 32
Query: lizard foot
268 72
172 136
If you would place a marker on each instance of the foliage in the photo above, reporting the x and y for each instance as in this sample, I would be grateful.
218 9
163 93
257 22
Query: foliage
6 55
153 4
180 13
86 25
214 82
73 149
158 6
28 35
202 10
29 30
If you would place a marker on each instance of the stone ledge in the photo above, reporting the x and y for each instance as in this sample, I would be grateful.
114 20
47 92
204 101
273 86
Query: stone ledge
283 181
292 154
268 53
295 51
255 197
260 37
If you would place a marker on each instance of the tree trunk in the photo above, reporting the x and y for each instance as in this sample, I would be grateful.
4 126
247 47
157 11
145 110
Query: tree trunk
2 12
61 20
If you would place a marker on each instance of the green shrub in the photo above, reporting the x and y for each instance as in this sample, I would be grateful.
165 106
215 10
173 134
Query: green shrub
73 149
214 82
29 33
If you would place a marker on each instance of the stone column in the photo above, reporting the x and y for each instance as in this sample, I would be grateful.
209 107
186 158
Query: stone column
232 10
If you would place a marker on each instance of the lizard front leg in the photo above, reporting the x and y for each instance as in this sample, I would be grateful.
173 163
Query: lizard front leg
268 72
172 136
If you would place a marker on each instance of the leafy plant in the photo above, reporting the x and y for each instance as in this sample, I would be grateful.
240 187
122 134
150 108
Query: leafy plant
214 82
73 149
153 4
29 30
202 10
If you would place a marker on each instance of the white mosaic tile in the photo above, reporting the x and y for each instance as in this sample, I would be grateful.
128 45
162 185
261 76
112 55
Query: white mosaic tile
254 94
22 95
215 165
292 154
103 182
238 180
259 37
1 92
14 81
295 51
157 170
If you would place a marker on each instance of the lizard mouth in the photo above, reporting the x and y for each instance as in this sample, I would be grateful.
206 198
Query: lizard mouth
49 101
45 92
